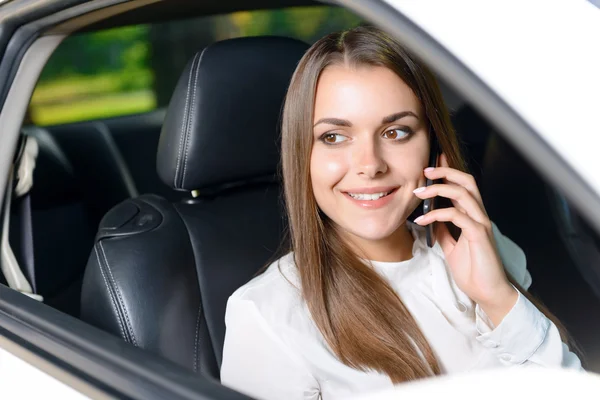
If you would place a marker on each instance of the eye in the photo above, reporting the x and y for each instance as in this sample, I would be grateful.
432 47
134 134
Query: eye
332 138
397 134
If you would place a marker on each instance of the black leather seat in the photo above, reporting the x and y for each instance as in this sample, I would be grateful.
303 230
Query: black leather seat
160 273
79 176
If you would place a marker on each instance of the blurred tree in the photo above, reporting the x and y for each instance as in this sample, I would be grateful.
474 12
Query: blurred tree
135 68
99 52
304 23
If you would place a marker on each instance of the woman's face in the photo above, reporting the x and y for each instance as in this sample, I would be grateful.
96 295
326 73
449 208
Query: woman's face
369 150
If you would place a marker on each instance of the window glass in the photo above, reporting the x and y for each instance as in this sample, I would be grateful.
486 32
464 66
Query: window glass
134 69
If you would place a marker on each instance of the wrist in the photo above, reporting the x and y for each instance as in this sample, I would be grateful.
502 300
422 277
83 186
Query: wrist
497 306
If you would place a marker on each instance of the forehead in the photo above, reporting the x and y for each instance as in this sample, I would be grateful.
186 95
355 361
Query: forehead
362 93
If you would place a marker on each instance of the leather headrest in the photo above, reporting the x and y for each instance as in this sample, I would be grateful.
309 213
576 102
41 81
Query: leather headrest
222 124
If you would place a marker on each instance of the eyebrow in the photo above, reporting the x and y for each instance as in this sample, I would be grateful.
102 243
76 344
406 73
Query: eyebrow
385 120
397 116
334 121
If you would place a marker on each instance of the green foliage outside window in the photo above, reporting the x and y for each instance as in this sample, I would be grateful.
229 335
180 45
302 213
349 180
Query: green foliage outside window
134 69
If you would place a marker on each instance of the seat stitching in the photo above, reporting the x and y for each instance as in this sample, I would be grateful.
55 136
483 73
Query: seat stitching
197 337
196 340
211 340
192 114
183 123
110 293
121 302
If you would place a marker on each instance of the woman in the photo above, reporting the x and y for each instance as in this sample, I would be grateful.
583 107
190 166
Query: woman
362 302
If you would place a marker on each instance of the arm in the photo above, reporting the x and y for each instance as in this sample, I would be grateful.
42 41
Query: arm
525 335
257 362
480 260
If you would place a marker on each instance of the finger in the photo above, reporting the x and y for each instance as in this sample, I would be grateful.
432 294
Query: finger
460 196
444 238
472 230
444 160
425 195
455 176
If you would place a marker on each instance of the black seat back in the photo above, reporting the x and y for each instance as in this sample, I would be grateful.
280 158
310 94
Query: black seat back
161 273
79 175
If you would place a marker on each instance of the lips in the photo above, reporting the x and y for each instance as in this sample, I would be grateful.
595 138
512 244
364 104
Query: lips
371 198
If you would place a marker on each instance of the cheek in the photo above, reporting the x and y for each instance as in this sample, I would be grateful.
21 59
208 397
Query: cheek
409 165
326 168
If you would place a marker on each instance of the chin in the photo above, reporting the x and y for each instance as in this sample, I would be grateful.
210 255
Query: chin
373 232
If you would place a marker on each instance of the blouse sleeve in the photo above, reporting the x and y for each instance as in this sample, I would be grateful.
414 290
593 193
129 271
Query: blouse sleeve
257 362
525 335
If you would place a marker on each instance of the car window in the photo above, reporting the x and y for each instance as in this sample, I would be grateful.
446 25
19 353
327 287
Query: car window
134 69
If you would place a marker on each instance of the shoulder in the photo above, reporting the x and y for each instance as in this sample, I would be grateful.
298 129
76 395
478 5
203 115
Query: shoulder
280 277
263 323
275 294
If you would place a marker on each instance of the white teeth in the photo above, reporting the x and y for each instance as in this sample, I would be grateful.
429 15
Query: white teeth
368 196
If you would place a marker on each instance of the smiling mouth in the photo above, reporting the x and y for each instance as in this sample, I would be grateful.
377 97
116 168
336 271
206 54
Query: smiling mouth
369 196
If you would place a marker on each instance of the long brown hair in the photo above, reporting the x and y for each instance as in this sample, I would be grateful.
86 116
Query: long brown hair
360 316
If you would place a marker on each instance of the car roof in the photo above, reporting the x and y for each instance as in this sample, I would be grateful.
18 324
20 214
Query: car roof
548 72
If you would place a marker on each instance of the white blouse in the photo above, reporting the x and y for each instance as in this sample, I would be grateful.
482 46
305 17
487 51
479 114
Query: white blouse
273 349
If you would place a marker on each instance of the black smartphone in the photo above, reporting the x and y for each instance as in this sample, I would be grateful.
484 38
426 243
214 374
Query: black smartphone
430 204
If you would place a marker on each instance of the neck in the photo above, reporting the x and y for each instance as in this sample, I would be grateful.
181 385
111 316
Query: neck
394 248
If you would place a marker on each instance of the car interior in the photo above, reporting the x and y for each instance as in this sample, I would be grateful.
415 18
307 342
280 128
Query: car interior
143 224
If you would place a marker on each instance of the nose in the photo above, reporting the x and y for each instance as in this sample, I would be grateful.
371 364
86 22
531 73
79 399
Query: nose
368 160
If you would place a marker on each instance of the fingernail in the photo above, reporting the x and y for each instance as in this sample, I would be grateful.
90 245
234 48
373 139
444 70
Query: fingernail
418 219
419 190
429 169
